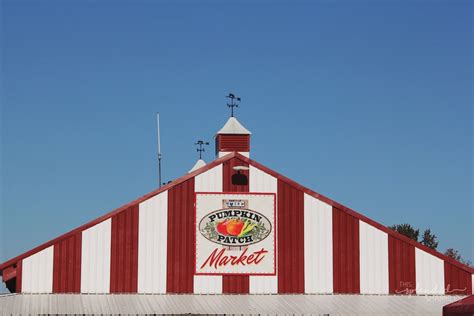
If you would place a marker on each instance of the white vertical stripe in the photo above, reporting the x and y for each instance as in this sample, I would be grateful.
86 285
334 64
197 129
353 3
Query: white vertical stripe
95 261
263 284
243 153
429 273
472 284
208 284
318 254
260 181
373 245
37 272
152 244
209 181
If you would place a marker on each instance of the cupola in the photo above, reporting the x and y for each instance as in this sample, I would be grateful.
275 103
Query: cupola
200 163
233 137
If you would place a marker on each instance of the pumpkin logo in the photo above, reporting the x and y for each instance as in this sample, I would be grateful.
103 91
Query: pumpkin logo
235 227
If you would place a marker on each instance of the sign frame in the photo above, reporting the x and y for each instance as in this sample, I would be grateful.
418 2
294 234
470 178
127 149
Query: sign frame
274 228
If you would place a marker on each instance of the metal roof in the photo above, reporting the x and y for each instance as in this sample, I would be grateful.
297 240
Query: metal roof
233 126
141 304
464 306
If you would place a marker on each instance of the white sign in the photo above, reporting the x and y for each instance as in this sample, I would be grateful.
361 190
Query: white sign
235 233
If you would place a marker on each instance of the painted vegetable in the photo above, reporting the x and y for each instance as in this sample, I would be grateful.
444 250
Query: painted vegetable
222 227
246 229
234 227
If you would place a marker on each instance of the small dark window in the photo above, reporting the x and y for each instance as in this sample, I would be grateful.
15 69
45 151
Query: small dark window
11 285
239 179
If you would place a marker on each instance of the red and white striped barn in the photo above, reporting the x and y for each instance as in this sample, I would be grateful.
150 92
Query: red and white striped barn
169 241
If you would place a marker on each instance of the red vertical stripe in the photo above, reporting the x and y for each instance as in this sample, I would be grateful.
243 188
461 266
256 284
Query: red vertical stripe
228 172
124 252
19 273
290 224
67 265
234 283
181 239
9 276
401 267
346 273
456 280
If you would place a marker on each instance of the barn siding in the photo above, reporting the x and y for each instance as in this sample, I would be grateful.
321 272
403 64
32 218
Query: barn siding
207 284
373 260
152 244
401 259
318 244
19 276
67 265
345 252
262 182
429 273
181 238
101 254
124 251
224 153
456 280
38 272
95 258
234 284
290 224
209 181
228 171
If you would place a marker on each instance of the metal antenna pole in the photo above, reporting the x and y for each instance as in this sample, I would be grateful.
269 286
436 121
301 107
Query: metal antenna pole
159 148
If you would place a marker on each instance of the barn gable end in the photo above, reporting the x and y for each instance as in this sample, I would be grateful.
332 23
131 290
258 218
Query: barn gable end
148 246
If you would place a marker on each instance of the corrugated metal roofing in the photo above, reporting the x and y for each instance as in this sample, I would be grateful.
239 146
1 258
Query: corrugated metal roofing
461 307
136 304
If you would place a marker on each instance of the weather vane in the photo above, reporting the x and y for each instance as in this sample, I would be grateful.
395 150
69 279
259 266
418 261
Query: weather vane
201 149
232 104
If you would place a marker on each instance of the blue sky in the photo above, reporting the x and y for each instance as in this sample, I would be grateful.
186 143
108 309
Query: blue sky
368 102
